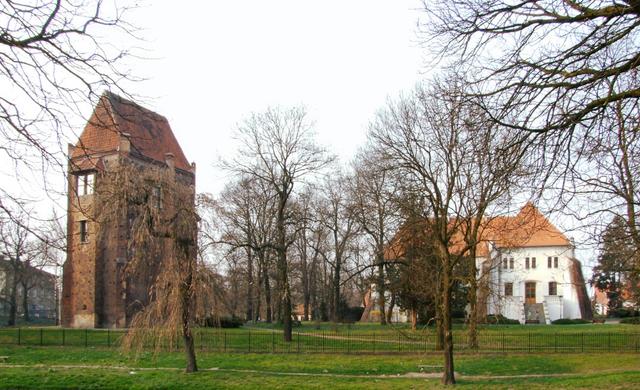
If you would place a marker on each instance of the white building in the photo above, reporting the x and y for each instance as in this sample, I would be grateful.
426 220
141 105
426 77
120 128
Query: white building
528 270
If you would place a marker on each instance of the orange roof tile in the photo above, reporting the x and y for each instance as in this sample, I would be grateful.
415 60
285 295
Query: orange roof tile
529 228
150 133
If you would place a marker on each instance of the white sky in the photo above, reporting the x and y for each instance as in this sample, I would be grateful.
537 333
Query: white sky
217 61
211 63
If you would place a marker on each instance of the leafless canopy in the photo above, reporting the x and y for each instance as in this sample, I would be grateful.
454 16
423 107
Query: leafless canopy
53 60
557 63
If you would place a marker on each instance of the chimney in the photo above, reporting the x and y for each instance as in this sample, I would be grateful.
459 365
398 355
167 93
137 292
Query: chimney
193 168
169 159
125 143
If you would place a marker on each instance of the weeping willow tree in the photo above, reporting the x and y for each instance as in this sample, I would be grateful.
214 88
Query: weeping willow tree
162 271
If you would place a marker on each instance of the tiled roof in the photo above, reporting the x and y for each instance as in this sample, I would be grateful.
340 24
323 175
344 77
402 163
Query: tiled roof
529 228
150 133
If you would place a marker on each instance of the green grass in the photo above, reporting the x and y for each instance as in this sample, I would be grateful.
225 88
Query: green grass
370 338
42 367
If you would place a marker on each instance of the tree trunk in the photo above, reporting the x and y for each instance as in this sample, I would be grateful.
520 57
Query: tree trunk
381 289
13 300
283 274
448 377
267 296
336 291
256 313
25 303
186 293
389 313
439 325
473 302
414 319
249 315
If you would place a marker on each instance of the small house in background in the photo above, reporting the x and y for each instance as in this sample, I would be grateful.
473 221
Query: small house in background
40 286
96 292
529 271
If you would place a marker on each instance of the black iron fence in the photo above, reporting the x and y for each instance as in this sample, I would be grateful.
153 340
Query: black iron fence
260 341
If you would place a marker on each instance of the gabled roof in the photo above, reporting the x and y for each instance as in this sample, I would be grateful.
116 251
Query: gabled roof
529 228
149 133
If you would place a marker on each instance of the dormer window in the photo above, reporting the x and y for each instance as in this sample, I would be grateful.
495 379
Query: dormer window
84 183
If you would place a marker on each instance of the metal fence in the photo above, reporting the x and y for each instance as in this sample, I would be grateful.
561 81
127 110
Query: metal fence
260 341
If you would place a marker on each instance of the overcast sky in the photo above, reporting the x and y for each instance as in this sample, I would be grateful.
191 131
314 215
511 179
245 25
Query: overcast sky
217 61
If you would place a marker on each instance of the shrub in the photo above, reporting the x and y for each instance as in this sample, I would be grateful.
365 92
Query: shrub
622 312
631 320
223 322
499 319
570 321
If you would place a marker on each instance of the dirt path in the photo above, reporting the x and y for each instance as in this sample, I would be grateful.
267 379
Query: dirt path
417 375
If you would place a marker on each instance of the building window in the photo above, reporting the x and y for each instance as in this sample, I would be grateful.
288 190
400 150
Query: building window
553 288
157 197
526 263
533 262
504 263
555 262
84 233
511 263
548 262
508 289
84 184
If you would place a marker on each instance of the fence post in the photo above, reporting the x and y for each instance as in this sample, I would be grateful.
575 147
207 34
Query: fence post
298 342
40 336
323 340
225 340
249 340
108 337
555 342
609 342
398 341
86 334
582 344
18 336
529 343
348 340
374 342
63 338
273 341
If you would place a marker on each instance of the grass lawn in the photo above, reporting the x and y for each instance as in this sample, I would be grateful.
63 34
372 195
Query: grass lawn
354 338
100 368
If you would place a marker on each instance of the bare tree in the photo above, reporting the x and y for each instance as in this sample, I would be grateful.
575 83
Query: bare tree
161 247
54 60
566 74
337 216
432 138
562 63
277 147
17 250
374 193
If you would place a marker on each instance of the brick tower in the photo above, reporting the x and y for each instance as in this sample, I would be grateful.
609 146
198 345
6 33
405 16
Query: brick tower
96 292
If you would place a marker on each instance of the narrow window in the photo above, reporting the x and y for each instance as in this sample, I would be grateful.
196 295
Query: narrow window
553 288
157 197
548 262
533 262
526 263
511 263
504 263
555 262
84 184
508 289
84 234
